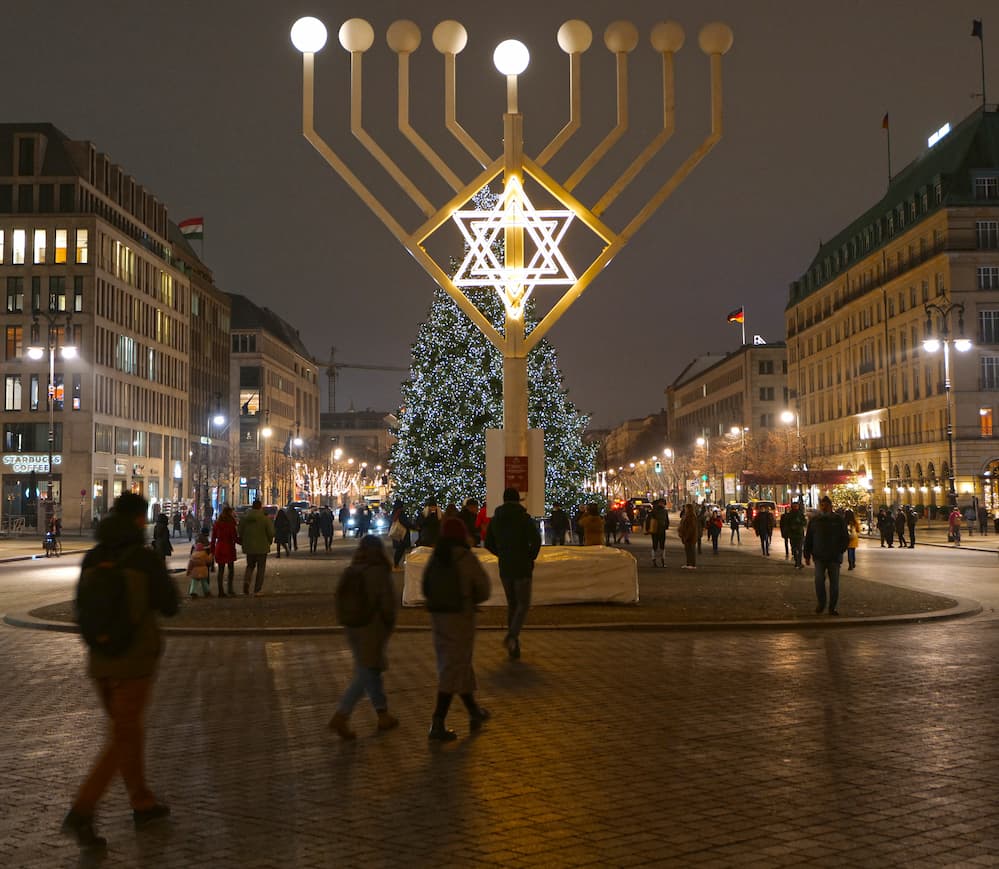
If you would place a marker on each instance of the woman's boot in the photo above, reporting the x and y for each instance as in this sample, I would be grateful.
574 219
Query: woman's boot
340 725
386 721
221 592
439 732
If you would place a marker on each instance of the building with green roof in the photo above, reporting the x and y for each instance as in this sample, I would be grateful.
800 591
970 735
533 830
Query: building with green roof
921 263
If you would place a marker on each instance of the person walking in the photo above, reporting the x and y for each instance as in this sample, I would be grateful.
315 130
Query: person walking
825 541
343 516
313 523
610 526
900 527
282 532
368 643
794 529
190 525
910 521
689 532
513 538
714 529
482 521
886 527
785 535
326 527
734 522
763 525
256 534
161 536
559 521
399 529
124 682
454 584
853 535
591 526
295 522
223 544
954 526
656 525
177 520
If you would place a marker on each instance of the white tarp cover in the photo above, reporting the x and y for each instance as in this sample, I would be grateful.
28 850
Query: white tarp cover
562 574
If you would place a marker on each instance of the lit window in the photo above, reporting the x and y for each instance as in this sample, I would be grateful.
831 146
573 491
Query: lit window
82 240
985 415
14 341
38 246
12 392
18 241
1 246
60 245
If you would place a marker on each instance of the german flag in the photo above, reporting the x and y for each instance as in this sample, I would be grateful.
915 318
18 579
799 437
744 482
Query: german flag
737 316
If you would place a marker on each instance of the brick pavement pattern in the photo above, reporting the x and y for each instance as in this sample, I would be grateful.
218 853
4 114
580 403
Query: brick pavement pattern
855 747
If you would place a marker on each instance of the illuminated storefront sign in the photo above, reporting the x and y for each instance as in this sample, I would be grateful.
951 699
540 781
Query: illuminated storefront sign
25 463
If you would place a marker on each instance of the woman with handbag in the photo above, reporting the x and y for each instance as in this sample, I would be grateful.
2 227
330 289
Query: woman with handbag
399 533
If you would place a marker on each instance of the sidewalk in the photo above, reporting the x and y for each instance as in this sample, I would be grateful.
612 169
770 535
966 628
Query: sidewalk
735 589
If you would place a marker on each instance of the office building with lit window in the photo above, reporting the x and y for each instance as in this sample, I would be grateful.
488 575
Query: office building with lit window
923 263
278 406
87 262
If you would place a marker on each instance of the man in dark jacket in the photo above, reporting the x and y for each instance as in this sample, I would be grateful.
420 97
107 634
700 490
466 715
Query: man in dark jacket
826 540
468 514
124 682
792 526
560 525
514 539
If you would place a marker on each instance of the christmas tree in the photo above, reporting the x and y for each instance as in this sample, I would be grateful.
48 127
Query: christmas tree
455 393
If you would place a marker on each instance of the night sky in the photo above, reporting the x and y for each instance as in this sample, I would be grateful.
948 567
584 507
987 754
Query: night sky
201 101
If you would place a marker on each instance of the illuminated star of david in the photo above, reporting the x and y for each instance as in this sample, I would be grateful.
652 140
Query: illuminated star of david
544 230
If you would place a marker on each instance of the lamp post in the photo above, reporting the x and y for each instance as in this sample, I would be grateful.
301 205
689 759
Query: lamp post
704 442
931 344
264 433
66 351
787 417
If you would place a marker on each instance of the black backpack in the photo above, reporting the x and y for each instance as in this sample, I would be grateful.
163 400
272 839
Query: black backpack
442 587
353 608
103 607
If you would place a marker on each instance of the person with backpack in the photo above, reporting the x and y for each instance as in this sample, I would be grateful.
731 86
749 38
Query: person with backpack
454 584
365 604
513 538
656 525
123 585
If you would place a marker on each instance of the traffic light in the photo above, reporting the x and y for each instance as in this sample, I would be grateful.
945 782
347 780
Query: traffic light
704 478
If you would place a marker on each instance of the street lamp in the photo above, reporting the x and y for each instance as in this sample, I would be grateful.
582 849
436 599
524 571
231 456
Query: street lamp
265 433
66 351
943 310
704 442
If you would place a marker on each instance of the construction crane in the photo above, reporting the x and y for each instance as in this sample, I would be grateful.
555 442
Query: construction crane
333 371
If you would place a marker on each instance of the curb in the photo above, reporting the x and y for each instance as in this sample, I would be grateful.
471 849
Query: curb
963 608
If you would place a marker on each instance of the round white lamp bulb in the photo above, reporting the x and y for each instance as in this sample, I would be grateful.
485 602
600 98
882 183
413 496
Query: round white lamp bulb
511 57
308 35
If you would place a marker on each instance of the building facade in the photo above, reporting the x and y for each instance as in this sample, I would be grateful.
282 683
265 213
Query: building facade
278 405
87 264
718 407
922 263
214 440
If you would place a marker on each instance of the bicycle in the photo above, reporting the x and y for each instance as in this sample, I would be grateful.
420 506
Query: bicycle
52 545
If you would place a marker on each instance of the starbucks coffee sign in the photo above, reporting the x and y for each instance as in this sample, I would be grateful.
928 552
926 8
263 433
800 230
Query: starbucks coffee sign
25 463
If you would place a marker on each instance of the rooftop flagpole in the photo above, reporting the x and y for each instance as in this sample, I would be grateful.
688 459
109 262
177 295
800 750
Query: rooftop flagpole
976 30
886 126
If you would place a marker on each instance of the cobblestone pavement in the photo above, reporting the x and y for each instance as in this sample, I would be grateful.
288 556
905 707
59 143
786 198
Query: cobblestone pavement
857 747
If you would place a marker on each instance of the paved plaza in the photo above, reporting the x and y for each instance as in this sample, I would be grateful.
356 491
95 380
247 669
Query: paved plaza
866 745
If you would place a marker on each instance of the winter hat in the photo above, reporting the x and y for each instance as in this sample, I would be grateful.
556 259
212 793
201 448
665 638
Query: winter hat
454 529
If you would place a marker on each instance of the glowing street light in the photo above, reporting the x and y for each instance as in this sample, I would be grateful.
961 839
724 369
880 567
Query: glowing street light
931 344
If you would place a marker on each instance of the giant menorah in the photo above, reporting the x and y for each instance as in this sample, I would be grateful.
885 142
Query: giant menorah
531 256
